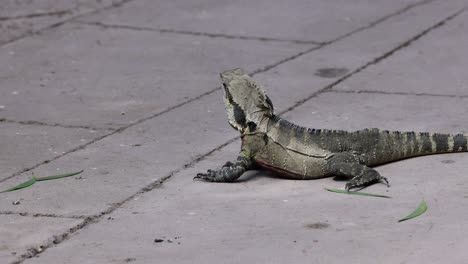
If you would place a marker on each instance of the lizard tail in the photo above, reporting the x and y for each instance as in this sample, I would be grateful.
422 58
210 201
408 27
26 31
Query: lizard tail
436 143
396 145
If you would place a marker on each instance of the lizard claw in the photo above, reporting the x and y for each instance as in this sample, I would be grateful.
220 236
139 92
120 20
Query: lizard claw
349 187
361 185
384 181
208 176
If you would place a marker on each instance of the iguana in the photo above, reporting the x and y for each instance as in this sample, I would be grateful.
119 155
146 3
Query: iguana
302 153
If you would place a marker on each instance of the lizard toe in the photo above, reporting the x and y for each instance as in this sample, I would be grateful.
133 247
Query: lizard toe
384 181
209 176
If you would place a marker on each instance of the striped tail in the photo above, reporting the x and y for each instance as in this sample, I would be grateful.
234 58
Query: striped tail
434 143
395 145
413 144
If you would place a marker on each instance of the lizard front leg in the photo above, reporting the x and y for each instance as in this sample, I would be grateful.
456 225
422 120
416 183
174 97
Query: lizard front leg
229 172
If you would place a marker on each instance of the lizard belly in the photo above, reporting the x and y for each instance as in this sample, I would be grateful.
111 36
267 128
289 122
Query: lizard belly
281 171
290 164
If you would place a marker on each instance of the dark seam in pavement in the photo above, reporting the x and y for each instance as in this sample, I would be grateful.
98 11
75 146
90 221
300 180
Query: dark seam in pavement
384 18
38 123
92 219
123 128
118 130
114 5
396 93
42 30
372 24
38 14
228 36
329 87
271 66
263 69
42 215
376 60
195 33
56 239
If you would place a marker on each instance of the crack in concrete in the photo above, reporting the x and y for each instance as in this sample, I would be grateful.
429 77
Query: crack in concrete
260 70
295 56
57 239
123 128
372 24
376 60
396 93
37 14
38 123
384 18
42 215
117 130
266 39
55 25
195 33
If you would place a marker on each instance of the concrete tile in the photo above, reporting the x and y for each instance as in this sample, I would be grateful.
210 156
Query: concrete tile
318 20
118 166
434 64
23 146
351 111
300 78
86 75
270 220
34 8
114 169
179 136
430 176
21 17
264 219
20 233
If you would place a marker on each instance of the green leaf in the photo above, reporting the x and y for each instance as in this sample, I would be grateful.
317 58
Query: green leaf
53 177
356 193
21 185
34 179
419 211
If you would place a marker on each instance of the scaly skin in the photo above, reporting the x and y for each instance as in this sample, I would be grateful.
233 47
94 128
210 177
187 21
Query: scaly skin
301 153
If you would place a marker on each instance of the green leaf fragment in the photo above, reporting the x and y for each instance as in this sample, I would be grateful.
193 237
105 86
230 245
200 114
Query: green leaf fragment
21 185
357 193
34 179
53 177
419 211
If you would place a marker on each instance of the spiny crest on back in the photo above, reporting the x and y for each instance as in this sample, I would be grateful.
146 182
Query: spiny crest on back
263 101
246 102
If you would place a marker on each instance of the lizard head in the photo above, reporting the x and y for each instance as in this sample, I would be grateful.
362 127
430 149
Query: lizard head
246 102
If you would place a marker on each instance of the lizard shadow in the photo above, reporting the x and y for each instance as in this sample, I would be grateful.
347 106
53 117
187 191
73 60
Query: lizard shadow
340 178
257 174
252 175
